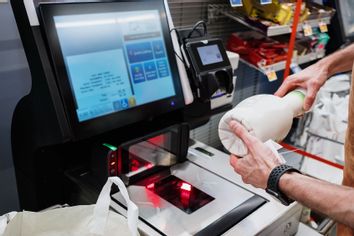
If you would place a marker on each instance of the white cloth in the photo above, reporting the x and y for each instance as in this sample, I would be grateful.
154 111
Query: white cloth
234 144
229 139
5 219
264 116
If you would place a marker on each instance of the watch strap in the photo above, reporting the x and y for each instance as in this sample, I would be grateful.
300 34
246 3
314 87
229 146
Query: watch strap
273 183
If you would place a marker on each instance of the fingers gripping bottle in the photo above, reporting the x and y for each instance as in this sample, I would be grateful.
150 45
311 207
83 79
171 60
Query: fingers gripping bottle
264 116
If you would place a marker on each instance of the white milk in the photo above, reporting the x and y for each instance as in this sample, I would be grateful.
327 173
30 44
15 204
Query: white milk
264 116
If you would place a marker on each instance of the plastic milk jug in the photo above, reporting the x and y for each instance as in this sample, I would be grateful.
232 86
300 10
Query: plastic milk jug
264 116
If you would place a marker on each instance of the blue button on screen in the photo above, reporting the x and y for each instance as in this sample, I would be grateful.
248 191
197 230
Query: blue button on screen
162 68
139 52
124 103
150 70
159 50
137 73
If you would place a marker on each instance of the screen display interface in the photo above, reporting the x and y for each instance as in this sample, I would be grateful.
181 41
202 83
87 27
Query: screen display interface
115 61
236 3
265 1
209 54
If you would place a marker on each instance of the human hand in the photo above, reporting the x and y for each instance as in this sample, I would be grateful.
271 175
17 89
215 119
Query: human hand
311 78
256 166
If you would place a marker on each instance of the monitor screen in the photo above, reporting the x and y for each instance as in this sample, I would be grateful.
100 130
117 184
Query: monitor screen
114 61
236 3
210 54
265 1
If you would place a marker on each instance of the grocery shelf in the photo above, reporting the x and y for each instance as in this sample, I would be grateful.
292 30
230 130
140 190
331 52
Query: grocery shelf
266 27
281 65
297 60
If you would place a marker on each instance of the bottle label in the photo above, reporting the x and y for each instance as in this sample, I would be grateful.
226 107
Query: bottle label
299 94
297 98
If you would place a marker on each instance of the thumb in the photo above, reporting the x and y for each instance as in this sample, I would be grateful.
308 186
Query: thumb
241 132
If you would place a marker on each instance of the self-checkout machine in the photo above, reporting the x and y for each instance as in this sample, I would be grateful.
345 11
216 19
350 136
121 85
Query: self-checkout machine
109 93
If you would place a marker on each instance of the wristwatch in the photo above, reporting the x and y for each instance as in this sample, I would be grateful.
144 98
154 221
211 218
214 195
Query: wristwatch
273 183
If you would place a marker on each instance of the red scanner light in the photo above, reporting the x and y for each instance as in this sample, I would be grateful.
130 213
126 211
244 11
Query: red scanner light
149 165
150 186
186 187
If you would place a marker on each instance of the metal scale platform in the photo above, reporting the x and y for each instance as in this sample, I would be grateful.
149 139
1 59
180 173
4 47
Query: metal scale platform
200 196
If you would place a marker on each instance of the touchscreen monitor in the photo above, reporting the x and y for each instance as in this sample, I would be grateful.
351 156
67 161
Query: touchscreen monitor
113 58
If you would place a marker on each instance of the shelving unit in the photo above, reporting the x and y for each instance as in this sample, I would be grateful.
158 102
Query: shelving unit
268 28
298 60
281 65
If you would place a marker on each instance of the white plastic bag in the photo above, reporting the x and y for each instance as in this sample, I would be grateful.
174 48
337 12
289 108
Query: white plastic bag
5 219
79 220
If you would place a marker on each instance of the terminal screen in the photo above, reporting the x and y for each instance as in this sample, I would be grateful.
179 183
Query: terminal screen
265 1
236 3
210 54
114 61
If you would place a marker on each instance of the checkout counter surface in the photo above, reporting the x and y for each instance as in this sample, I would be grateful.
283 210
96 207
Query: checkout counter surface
272 218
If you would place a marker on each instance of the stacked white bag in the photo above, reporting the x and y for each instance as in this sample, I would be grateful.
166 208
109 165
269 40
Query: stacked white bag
322 131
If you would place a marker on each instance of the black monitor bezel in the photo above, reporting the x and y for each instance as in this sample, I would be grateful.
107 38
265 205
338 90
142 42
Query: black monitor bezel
341 23
119 119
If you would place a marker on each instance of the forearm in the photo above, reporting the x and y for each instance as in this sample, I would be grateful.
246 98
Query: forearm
340 61
333 200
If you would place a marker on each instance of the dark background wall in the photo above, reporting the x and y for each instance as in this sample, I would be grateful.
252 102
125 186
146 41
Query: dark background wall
15 82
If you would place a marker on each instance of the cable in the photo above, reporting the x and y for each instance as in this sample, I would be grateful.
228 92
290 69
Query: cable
179 57
196 26
179 41
177 33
